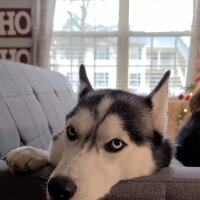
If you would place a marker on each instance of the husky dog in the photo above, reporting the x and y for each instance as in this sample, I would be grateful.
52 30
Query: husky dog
111 135
188 139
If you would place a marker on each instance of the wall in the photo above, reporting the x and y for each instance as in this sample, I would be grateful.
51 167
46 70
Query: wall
15 30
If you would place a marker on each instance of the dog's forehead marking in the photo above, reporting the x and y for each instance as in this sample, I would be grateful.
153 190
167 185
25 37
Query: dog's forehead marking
83 121
103 106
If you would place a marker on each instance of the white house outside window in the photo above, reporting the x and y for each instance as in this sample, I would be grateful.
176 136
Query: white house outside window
123 39
101 80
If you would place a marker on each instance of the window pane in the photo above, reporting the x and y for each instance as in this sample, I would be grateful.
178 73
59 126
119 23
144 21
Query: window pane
140 63
86 15
160 15
158 54
167 58
135 79
164 49
102 52
98 54
101 79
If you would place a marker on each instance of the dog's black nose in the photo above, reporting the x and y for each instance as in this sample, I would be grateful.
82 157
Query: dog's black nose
61 188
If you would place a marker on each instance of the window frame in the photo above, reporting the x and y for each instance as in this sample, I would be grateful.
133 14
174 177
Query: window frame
123 34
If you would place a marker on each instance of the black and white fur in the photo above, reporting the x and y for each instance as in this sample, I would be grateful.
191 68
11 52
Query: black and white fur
111 135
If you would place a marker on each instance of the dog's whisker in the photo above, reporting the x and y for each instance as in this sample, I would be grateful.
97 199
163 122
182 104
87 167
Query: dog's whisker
44 176
43 187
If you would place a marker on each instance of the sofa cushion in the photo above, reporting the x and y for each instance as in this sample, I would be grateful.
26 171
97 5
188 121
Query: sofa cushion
33 104
9 134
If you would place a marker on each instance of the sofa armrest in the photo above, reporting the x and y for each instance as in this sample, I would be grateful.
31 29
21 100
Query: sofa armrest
172 183
23 186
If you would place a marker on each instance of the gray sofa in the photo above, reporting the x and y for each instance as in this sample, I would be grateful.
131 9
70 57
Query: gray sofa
33 106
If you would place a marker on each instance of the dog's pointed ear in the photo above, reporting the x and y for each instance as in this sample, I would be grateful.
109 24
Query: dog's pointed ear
159 98
85 85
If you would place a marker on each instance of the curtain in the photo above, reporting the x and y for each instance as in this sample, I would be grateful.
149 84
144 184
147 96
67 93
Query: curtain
194 61
42 23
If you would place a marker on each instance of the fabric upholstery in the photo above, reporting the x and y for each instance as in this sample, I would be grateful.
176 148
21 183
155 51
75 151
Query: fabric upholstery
33 105
24 186
172 183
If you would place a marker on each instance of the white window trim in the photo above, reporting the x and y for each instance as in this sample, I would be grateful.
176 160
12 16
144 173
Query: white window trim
123 34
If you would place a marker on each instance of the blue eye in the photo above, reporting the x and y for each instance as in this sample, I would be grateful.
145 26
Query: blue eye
71 133
115 145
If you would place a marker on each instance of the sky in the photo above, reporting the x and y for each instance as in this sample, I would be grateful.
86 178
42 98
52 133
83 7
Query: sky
144 15
161 15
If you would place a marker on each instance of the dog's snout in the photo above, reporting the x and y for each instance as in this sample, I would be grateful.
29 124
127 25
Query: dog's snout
61 188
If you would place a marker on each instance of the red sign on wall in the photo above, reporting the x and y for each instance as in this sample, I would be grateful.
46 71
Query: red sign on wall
15 22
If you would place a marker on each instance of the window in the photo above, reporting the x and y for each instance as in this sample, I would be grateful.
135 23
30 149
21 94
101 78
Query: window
135 79
167 58
73 78
136 53
101 79
154 58
134 47
102 53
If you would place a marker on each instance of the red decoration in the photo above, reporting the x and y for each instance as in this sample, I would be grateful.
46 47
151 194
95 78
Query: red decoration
187 97
181 96
198 79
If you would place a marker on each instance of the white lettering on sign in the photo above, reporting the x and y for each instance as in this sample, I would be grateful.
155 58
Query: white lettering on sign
8 22
23 52
12 20
20 30
18 55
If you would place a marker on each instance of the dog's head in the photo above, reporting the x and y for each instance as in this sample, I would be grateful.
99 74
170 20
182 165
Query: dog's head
111 135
